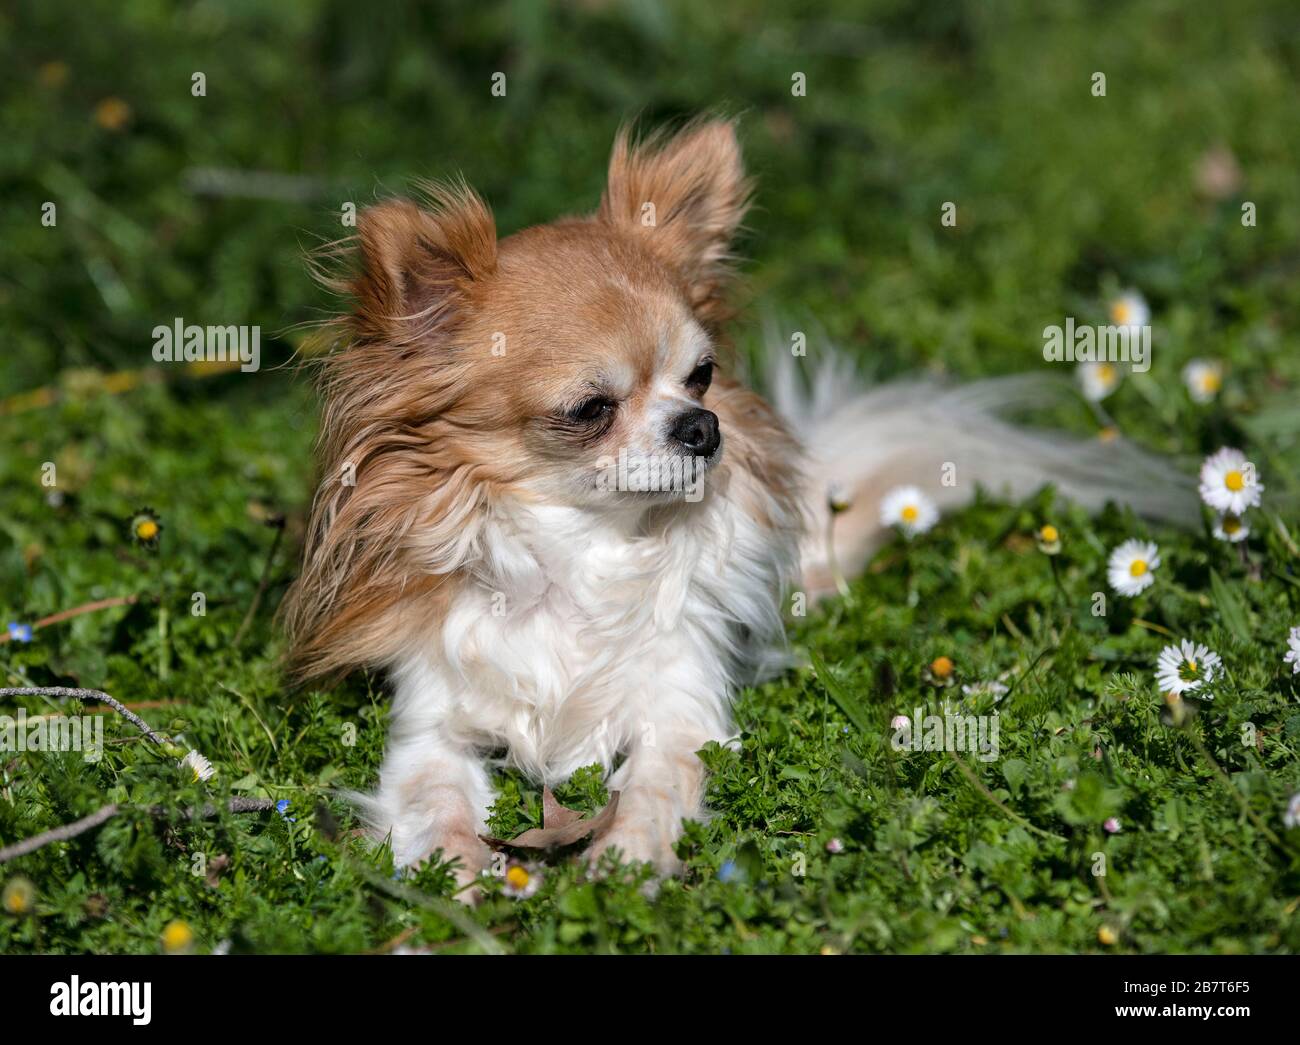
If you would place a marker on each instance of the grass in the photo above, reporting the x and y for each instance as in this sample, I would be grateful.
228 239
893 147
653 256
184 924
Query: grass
1062 198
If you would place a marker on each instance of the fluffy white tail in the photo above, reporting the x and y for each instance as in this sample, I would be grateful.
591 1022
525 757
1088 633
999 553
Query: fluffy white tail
868 440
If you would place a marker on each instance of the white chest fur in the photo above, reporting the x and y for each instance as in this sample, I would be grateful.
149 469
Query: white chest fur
578 635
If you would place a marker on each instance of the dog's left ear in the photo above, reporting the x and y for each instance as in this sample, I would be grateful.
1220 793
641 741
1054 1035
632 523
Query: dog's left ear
685 195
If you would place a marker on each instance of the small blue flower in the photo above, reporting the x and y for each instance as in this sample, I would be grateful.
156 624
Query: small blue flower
282 807
20 632
728 872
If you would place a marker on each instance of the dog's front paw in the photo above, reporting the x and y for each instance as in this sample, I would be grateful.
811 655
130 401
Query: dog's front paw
467 856
470 863
644 831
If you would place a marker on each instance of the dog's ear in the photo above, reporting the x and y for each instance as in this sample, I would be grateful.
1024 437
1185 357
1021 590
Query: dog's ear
416 262
685 195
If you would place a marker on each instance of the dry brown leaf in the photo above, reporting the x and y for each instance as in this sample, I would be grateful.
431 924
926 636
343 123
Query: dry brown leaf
561 826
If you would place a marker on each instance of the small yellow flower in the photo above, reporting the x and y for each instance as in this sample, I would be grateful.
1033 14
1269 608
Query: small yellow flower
52 74
828 949
145 528
177 937
112 114
1049 539
517 876
1107 936
1108 434
941 667
19 896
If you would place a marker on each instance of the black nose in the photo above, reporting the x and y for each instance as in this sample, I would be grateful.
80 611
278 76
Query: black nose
697 431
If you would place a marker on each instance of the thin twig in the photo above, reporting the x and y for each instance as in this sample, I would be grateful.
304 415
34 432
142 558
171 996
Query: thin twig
136 704
106 813
59 834
77 611
67 692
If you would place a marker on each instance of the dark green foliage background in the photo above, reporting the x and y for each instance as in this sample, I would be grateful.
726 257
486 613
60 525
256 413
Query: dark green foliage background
1062 198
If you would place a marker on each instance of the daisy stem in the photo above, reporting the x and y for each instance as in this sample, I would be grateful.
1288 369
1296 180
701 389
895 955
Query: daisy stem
841 584
1103 418
1060 585
164 649
1252 568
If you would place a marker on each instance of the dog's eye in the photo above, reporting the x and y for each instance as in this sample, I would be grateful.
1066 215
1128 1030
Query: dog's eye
591 410
701 377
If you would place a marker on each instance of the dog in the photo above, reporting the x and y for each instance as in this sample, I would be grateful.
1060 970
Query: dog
550 512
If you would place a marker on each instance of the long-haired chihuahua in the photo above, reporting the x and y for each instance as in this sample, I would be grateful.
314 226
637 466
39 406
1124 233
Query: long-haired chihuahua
561 526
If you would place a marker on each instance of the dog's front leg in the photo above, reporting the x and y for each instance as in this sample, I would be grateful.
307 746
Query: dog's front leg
661 783
433 795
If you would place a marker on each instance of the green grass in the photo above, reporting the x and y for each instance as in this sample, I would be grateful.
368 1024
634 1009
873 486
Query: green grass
1062 198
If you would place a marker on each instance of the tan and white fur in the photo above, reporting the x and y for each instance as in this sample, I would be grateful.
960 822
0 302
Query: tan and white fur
464 537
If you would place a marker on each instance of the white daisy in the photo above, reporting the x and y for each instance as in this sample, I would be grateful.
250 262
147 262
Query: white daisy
1291 818
1099 379
1293 653
1131 567
198 765
1228 482
975 689
1231 528
909 509
1129 310
521 882
1186 666
1203 378
838 498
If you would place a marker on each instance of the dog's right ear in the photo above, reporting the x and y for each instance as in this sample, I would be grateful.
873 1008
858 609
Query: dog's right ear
416 262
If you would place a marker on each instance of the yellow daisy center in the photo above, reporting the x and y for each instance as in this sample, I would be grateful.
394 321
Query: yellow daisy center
1120 312
1107 373
1138 567
146 530
941 667
1048 533
112 114
910 513
1231 524
1234 480
177 936
517 877
1210 381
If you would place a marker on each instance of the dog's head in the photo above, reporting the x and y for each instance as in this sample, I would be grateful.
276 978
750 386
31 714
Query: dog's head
572 346
569 363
